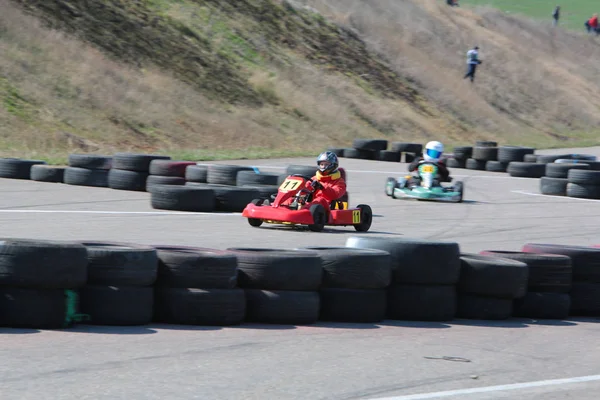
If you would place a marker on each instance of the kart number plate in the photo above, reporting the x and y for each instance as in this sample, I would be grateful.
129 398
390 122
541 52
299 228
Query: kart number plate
427 168
290 184
356 217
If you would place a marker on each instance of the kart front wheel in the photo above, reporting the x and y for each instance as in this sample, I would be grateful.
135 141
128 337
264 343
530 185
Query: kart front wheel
366 218
390 184
319 218
255 222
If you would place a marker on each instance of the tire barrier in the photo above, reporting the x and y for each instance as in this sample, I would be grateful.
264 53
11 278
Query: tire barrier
167 172
47 173
16 168
130 171
51 285
87 170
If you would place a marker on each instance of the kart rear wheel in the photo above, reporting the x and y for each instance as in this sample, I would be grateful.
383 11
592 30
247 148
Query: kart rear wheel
459 187
255 222
390 184
366 218
319 218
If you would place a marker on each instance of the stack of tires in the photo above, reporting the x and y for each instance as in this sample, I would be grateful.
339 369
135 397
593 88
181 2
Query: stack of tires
489 285
16 168
410 151
424 277
585 261
366 149
506 155
266 184
556 178
483 152
47 173
281 286
548 284
459 158
222 179
167 172
354 284
130 171
583 184
119 289
88 170
39 281
198 286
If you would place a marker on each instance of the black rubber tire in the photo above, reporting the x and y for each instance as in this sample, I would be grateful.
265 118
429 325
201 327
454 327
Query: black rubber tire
370 144
353 305
507 154
117 305
32 308
462 153
486 143
471 306
553 186
208 307
474 164
121 264
526 170
293 169
583 191
495 166
456 163
163 180
543 306
585 299
169 167
366 218
547 272
196 173
135 162
585 261
275 269
122 179
282 307
319 218
90 161
404 147
47 173
86 177
16 168
338 151
224 174
460 187
255 222
493 276
389 155
361 154
352 268
265 192
232 198
249 178
421 302
182 198
42 264
584 177
414 260
549 158
196 268
561 170
530 158
485 153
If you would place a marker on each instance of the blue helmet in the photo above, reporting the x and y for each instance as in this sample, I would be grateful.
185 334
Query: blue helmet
331 158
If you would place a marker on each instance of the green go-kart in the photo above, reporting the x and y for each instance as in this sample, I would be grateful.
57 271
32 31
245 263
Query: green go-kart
424 186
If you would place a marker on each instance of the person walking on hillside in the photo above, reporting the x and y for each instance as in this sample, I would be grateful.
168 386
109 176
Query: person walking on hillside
472 62
592 23
556 15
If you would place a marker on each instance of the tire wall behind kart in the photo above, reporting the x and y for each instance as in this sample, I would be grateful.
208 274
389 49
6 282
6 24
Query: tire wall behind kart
281 286
130 171
585 290
424 277
35 280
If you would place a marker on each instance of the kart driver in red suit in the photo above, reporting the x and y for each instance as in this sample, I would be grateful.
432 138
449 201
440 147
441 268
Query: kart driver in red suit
328 182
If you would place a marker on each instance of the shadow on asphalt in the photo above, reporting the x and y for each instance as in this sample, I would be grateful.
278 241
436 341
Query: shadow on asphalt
111 330
512 323
17 331
415 324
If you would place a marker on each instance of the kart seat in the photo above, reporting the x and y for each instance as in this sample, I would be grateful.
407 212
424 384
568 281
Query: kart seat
341 203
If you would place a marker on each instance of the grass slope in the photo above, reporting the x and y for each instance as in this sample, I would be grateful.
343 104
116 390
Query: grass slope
214 79
573 12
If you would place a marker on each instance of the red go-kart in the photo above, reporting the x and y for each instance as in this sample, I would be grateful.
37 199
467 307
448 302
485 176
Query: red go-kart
292 206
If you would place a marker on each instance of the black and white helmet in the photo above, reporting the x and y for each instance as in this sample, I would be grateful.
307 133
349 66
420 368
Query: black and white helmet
331 158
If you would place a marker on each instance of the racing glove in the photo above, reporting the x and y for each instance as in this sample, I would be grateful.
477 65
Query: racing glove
316 185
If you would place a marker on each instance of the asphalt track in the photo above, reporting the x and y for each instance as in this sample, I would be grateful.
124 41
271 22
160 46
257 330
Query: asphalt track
519 358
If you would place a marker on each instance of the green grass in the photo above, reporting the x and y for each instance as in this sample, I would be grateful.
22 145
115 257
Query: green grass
573 13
